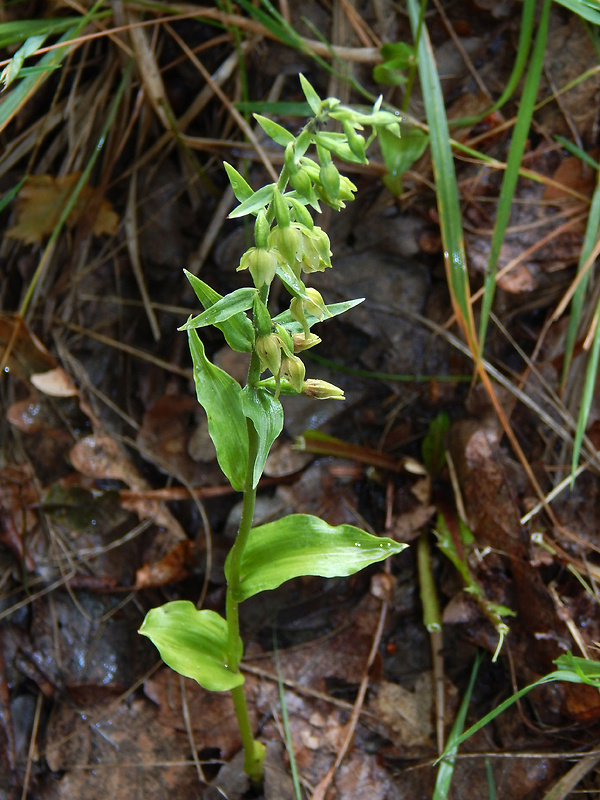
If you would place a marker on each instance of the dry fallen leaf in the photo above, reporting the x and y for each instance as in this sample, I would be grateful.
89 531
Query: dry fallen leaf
407 715
174 567
42 200
55 382
101 457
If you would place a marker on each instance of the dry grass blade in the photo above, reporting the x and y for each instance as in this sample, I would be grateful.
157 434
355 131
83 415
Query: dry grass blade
564 787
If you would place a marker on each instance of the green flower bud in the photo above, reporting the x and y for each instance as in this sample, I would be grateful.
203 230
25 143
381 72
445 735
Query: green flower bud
323 153
261 230
262 318
322 390
293 370
268 350
330 180
311 168
302 214
282 212
300 181
304 342
288 242
288 159
356 142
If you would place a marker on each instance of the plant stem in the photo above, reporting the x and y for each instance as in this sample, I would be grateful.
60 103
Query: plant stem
254 751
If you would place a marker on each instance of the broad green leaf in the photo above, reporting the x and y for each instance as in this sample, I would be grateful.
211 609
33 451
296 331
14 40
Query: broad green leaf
397 57
254 203
221 397
224 309
314 101
193 643
274 131
293 326
238 331
241 188
266 414
301 544
399 154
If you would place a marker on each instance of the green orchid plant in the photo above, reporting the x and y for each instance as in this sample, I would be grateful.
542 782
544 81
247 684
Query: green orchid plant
244 422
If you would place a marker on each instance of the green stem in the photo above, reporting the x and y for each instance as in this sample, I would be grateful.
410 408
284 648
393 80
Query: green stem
254 751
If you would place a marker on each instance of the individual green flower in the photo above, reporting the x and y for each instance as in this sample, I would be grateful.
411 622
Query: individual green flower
316 253
347 189
262 264
300 181
288 242
268 349
304 342
315 304
322 390
293 370
329 177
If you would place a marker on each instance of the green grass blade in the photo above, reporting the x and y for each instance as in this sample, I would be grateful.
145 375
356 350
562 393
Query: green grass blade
44 260
17 31
491 784
577 152
49 61
446 767
588 9
445 181
289 745
511 174
588 392
9 196
589 241
525 34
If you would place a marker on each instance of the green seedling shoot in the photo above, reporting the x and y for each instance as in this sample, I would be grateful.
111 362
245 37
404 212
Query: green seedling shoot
244 422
